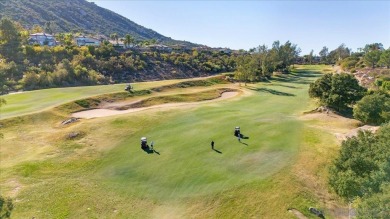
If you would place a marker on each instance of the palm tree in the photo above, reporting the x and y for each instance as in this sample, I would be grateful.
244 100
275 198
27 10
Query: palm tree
128 40
115 37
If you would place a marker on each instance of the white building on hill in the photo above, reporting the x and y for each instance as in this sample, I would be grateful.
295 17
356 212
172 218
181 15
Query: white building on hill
87 41
42 39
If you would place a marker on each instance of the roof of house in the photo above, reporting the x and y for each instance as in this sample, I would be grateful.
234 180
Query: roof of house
84 37
41 34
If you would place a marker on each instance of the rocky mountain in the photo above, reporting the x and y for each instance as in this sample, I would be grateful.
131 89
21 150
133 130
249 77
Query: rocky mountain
77 16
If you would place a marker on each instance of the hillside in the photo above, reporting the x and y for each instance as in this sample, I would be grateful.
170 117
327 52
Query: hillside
78 16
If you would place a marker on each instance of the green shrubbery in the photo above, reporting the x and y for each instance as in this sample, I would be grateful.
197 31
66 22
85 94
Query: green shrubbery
337 91
362 170
6 207
29 67
373 109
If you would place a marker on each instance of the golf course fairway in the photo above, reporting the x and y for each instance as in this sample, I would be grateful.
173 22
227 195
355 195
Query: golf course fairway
101 172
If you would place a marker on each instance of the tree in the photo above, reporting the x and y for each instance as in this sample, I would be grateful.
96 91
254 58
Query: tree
282 56
363 164
246 69
68 39
114 37
339 53
6 207
376 206
128 40
345 91
385 58
310 57
373 47
385 86
37 29
373 109
48 28
9 40
337 91
372 58
324 55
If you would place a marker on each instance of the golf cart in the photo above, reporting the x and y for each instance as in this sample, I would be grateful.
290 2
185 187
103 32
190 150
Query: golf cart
128 88
237 131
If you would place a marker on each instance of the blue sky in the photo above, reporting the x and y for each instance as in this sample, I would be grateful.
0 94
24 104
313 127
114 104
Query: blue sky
247 24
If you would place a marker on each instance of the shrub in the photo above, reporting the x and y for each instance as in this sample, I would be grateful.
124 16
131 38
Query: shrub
378 82
6 207
362 166
373 109
337 91
386 86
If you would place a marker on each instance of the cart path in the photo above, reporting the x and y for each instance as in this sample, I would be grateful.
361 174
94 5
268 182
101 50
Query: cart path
95 113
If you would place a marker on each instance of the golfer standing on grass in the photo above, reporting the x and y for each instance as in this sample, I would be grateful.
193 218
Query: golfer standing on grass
212 145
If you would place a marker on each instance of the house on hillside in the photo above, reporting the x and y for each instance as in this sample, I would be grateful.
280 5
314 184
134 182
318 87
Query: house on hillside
222 50
42 39
87 41
181 48
202 48
118 45
160 47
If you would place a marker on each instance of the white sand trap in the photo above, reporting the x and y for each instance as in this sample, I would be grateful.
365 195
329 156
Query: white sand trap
88 114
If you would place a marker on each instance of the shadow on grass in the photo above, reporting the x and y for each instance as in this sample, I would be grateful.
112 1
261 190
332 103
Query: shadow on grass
298 76
148 150
283 85
243 136
347 112
271 91
219 152
244 143
306 73
290 78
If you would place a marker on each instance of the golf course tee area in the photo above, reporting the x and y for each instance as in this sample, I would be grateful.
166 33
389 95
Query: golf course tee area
95 167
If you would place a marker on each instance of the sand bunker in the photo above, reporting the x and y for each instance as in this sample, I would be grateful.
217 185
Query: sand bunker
88 114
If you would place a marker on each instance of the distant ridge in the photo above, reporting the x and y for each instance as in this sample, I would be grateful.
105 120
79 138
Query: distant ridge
78 16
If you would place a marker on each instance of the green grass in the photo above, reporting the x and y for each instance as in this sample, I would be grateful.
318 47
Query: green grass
104 173
179 98
35 101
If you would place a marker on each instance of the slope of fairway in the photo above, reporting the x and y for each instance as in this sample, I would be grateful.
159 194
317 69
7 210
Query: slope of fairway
35 101
103 173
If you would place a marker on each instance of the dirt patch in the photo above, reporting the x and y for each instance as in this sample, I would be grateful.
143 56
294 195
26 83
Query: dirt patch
354 132
69 121
88 114
297 213
341 127
15 187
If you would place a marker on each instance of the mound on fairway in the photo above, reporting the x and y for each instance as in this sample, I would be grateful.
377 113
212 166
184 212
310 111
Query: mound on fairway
159 102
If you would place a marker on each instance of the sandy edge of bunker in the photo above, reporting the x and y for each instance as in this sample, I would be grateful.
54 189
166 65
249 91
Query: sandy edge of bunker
96 113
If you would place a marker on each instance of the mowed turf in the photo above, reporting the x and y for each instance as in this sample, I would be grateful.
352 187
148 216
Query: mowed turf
105 174
35 101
